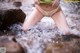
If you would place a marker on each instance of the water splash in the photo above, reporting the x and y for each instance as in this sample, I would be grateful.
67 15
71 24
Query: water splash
34 40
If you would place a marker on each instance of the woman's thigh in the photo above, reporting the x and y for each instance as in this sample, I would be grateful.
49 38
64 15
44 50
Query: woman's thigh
60 20
33 19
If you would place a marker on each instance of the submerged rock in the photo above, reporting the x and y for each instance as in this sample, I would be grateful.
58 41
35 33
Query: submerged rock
63 44
10 44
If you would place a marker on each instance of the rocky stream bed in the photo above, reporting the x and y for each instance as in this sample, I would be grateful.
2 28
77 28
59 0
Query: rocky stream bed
44 37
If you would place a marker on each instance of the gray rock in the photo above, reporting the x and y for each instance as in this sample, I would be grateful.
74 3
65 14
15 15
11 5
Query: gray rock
10 44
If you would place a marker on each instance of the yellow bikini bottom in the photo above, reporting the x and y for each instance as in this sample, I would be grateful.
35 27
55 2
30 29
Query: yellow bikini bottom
46 2
45 13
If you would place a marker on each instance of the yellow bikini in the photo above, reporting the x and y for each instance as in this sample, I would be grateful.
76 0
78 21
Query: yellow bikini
45 13
46 1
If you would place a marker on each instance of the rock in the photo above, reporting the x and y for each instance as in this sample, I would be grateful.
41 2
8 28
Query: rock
17 4
10 4
9 17
63 44
10 44
10 13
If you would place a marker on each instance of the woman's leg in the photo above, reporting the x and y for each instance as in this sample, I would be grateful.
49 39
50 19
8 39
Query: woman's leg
60 21
35 17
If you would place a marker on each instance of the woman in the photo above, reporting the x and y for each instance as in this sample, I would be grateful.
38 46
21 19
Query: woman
49 8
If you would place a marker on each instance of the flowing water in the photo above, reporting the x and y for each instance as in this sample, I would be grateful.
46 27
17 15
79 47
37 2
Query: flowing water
35 39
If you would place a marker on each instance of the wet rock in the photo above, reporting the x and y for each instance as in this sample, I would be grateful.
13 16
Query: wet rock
6 33
9 17
17 4
62 45
10 4
10 44
10 13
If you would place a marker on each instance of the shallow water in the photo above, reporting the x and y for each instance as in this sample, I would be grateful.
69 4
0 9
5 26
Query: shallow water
35 39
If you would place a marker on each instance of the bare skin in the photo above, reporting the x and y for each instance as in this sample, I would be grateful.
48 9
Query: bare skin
60 21
58 17
33 19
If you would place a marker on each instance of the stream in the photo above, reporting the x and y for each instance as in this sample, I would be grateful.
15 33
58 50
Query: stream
41 36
